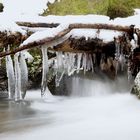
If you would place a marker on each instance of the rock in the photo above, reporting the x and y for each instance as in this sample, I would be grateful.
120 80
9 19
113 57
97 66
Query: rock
136 88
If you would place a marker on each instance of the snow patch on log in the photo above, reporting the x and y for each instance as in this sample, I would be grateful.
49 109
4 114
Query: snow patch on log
6 24
104 35
48 33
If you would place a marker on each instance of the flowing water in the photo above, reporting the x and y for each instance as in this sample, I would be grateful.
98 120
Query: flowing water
95 110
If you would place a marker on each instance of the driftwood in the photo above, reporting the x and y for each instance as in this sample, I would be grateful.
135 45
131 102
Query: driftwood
41 42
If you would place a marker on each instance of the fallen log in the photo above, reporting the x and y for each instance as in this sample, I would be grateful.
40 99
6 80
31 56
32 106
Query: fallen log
31 24
100 26
62 33
35 43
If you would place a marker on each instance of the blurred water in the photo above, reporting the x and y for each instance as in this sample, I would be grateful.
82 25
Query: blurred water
95 109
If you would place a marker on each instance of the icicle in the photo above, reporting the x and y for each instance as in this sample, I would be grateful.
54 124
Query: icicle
24 74
117 55
129 74
18 95
58 78
71 67
44 70
79 59
91 62
88 67
116 67
65 60
60 71
59 58
122 61
11 77
117 49
84 62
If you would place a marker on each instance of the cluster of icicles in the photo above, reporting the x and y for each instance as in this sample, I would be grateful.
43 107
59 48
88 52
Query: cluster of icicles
17 74
69 63
64 63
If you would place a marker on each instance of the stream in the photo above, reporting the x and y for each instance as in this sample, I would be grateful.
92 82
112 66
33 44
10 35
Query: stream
94 110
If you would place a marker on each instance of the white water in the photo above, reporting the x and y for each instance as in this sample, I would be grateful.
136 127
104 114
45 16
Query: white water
95 110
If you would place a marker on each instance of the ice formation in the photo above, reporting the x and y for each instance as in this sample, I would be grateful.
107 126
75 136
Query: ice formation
69 63
17 74
24 74
11 77
18 95
44 70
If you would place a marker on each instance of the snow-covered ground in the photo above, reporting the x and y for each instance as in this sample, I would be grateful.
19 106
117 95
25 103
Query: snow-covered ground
29 10
22 7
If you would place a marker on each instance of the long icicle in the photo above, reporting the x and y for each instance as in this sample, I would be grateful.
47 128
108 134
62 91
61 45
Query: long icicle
60 71
18 95
11 77
24 74
44 70
79 60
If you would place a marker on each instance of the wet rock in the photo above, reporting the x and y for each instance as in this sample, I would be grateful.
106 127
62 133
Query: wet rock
136 88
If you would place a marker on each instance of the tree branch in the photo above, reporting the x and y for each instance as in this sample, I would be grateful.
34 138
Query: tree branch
31 24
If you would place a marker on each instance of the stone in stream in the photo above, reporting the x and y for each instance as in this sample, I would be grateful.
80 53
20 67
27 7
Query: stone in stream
136 88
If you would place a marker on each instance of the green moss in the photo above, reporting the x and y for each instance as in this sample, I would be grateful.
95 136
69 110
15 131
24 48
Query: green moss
1 7
112 8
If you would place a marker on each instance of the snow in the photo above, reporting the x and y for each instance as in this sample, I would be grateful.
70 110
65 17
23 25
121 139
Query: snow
22 12
137 11
31 15
106 35
65 21
15 9
48 33
6 24
20 7
131 20
76 33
